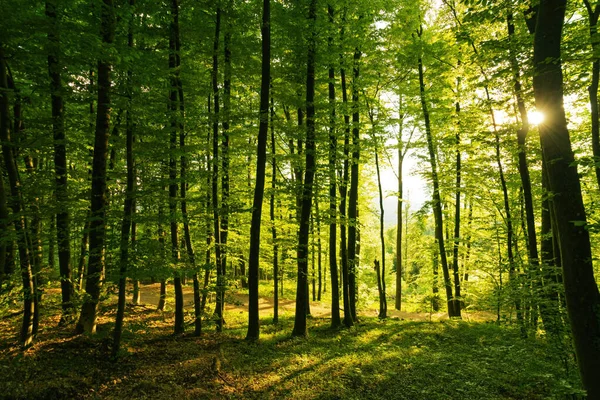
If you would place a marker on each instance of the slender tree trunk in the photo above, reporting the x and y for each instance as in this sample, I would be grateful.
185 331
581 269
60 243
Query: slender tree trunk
381 274
224 210
456 242
87 318
435 298
128 207
261 158
353 249
16 203
319 264
508 220
220 302
208 201
437 202
348 320
333 268
162 243
272 217
4 226
581 290
60 161
173 186
399 225
300 327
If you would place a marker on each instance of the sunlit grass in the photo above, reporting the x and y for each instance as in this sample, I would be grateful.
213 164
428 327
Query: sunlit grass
389 359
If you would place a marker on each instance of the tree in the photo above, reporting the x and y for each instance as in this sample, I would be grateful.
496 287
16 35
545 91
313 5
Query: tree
60 161
261 158
581 291
437 202
16 203
96 262
300 327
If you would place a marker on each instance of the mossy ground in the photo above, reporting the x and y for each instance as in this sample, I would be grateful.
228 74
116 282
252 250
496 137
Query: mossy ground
390 359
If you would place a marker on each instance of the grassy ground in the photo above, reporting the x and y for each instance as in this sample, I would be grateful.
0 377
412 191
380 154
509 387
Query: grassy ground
391 359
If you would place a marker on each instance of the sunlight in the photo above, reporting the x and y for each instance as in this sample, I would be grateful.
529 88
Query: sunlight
535 117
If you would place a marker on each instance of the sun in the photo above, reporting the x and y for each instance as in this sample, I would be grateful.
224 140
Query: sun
535 117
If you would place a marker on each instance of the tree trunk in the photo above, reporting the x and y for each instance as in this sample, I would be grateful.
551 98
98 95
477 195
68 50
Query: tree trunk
353 248
399 225
60 162
381 274
300 327
272 217
224 210
581 291
16 203
220 302
261 158
128 207
87 318
456 241
175 117
437 202
333 268
348 321
593 14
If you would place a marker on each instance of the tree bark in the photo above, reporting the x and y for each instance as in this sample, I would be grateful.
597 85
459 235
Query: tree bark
581 290
175 118
348 321
261 158
300 327
16 204
272 216
332 158
456 241
60 162
87 318
353 246
437 202
220 302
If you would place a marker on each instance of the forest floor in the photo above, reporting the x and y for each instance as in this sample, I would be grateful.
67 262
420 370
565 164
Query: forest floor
409 356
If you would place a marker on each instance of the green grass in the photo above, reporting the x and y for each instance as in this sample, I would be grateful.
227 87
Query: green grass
375 360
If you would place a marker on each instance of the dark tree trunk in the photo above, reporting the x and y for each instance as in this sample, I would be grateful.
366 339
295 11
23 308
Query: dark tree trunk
224 210
208 203
333 268
272 217
455 246
319 263
399 225
348 321
381 271
87 318
17 206
353 239
300 327
83 251
128 207
581 291
60 162
437 202
593 14
435 298
173 186
261 158
220 302
4 227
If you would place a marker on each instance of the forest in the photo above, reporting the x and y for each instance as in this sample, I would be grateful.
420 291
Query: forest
300 199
